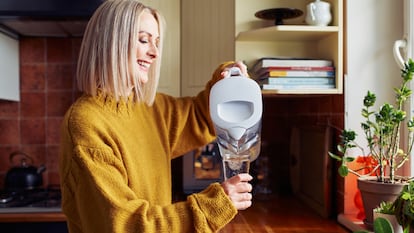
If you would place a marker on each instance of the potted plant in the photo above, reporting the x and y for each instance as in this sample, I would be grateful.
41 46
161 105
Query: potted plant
382 130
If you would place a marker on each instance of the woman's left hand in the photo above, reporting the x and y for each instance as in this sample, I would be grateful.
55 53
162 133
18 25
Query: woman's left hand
240 65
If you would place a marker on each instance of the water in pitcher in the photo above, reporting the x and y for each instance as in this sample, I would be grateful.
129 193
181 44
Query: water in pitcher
237 154
235 164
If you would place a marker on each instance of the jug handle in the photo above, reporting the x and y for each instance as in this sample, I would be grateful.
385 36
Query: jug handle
398 44
312 10
234 71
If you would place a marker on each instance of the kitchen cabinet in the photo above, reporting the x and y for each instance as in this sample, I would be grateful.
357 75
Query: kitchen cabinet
256 38
9 68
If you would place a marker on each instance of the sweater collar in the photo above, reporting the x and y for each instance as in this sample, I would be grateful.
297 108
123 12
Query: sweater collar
109 102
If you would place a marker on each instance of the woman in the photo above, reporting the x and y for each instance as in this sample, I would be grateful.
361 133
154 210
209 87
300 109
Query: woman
119 137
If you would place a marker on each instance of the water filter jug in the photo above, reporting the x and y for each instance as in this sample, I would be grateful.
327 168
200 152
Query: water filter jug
236 110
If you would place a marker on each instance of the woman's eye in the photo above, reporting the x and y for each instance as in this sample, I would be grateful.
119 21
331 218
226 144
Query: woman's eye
143 41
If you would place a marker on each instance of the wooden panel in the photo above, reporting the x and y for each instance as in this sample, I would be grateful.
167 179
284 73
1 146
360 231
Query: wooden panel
310 167
170 67
207 40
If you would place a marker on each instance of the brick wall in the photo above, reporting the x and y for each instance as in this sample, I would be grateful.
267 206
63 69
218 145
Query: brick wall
47 88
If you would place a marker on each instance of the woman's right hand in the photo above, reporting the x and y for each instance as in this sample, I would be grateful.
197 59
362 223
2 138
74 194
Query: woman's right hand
238 189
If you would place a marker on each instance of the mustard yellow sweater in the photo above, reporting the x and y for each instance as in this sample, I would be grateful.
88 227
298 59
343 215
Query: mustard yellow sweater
115 166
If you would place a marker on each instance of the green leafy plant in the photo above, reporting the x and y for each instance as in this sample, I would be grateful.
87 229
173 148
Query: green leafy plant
381 225
382 130
385 207
404 207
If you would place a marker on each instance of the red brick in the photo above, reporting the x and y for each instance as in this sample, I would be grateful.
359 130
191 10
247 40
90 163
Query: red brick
59 50
58 103
9 109
9 133
60 77
53 130
33 131
32 77
33 105
32 50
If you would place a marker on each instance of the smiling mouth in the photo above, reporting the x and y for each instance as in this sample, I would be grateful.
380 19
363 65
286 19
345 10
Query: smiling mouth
144 64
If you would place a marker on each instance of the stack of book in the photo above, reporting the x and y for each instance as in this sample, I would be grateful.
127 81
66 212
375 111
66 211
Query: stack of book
293 73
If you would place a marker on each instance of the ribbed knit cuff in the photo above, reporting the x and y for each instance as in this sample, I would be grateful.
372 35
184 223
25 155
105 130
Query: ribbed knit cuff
215 206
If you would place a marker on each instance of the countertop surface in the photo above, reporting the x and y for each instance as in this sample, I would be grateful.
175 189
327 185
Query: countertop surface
28 214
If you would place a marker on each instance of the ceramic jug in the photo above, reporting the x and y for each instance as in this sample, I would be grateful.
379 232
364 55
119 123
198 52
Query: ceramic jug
318 13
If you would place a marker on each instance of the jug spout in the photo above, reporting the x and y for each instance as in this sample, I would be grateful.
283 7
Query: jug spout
237 132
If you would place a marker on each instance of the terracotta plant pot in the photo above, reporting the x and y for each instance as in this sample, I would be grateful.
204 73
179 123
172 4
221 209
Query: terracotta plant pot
373 193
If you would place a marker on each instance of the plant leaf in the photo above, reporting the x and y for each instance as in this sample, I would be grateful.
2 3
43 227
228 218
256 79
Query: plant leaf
343 170
382 225
334 156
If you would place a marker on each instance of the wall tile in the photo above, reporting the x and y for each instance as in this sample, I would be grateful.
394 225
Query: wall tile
33 131
5 163
58 103
32 50
52 162
9 133
59 50
9 109
53 130
32 77
60 77
33 105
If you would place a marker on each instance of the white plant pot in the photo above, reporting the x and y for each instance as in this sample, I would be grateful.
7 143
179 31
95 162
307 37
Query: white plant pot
391 218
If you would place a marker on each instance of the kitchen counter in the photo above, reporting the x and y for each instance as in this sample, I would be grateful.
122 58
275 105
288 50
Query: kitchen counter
49 216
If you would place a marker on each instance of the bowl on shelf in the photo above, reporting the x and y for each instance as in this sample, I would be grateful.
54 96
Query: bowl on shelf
278 14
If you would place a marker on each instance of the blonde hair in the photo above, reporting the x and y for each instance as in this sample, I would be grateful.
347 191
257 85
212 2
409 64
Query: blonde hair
107 59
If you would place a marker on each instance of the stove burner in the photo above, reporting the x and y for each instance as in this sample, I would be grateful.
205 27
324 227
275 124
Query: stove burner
5 198
48 197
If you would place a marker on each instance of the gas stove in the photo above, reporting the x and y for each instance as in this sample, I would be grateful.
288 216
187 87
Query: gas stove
33 200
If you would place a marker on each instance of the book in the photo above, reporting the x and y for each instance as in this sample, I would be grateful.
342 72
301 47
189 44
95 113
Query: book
296 73
298 80
296 87
308 68
292 62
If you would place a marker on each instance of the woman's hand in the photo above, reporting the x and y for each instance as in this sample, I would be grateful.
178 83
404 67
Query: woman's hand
240 65
238 189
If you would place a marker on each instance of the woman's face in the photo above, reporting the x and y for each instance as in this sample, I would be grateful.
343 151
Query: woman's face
147 50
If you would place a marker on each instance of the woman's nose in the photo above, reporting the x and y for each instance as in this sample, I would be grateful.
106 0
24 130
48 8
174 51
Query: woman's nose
153 51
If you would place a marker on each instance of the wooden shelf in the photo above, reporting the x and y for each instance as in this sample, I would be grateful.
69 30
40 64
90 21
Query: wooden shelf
256 40
287 33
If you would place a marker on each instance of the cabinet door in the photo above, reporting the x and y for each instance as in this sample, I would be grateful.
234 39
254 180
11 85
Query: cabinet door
207 40
170 66
9 68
